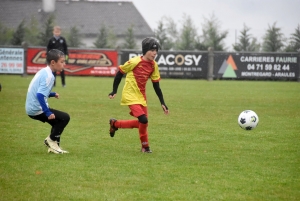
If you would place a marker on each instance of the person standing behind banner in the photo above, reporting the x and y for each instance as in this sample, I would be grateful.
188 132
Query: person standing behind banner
59 42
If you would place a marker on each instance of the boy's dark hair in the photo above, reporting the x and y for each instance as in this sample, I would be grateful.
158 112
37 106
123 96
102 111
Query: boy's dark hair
54 54
150 44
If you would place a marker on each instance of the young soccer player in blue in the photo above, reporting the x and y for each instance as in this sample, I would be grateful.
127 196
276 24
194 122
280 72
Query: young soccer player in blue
37 106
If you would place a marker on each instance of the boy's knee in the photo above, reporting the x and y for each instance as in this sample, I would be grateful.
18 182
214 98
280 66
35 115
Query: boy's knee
66 117
143 119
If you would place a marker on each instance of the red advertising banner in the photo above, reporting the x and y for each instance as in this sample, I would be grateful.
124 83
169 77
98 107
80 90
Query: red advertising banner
81 62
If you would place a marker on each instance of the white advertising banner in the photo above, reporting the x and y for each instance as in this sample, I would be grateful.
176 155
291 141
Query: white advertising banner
12 60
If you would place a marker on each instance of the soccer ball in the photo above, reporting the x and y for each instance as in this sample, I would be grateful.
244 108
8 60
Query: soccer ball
248 120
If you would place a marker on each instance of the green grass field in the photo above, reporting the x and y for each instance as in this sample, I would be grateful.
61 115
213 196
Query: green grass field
199 151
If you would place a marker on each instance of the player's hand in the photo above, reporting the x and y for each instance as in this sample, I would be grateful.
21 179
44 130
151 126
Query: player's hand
56 95
112 95
52 116
165 108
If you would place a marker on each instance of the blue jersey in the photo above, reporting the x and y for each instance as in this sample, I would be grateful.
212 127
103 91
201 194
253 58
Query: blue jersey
41 83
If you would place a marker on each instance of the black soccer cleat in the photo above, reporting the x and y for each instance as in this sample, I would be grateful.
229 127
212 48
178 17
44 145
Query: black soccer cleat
146 150
112 128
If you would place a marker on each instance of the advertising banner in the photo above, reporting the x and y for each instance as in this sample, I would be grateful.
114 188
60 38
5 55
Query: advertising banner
12 60
274 66
176 64
80 62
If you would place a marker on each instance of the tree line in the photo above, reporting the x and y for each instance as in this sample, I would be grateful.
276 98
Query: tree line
171 35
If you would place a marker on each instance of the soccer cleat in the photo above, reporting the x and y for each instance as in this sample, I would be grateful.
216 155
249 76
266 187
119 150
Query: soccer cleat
50 150
112 128
146 150
53 146
64 151
53 151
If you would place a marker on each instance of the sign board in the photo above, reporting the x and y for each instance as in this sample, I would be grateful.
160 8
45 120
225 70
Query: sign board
176 64
12 60
275 66
80 62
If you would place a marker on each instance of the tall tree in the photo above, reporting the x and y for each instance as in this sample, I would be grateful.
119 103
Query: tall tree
111 39
246 42
74 38
188 35
102 38
106 38
6 35
129 39
162 36
273 40
47 33
32 32
19 34
212 36
199 44
172 31
294 41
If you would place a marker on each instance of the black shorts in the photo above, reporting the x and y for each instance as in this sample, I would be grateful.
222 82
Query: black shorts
59 116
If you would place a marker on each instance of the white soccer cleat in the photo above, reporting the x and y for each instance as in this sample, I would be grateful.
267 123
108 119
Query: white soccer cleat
53 146
53 151
64 151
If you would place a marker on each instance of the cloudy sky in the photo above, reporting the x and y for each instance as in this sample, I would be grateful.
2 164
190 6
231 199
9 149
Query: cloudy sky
232 14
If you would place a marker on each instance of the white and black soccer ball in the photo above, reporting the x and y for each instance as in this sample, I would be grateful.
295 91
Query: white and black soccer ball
248 120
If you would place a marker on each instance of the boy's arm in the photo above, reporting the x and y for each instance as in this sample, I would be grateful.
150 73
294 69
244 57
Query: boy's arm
52 94
160 96
42 102
116 83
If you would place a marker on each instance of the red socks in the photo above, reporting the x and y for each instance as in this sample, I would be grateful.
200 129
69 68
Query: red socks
143 135
135 124
127 124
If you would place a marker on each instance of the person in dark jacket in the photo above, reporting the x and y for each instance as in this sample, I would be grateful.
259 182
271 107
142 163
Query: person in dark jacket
59 42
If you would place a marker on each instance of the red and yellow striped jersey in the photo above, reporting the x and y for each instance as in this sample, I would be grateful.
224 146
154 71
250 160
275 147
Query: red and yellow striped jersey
138 72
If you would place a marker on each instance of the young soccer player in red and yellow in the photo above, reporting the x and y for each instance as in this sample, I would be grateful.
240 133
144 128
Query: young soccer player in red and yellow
138 70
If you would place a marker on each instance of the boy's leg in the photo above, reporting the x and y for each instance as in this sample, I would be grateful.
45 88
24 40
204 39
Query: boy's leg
58 124
62 74
141 113
136 111
116 124
127 123
54 73
143 130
